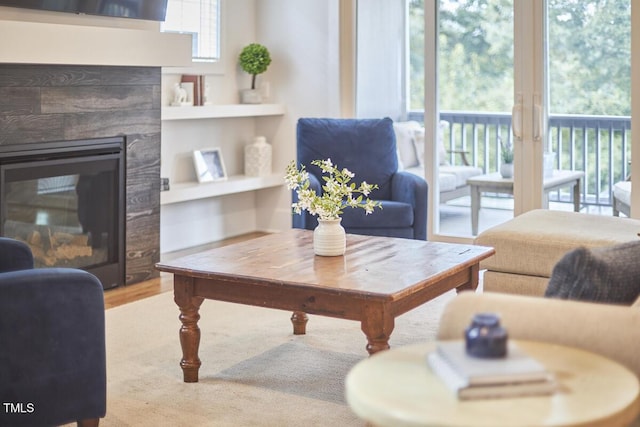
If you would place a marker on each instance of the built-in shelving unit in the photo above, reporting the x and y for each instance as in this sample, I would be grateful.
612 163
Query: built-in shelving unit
184 192
197 213
221 111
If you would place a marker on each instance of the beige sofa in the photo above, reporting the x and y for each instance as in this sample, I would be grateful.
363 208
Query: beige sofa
610 330
452 179
529 246
527 250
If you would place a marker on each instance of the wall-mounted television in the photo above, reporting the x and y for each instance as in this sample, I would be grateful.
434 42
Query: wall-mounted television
152 10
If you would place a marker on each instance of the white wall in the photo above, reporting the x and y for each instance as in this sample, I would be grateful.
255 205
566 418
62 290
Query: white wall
304 75
381 79
302 38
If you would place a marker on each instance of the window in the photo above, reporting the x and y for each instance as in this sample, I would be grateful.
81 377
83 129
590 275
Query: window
201 19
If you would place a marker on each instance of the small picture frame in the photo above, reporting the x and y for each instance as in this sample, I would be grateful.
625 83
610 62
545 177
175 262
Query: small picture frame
209 165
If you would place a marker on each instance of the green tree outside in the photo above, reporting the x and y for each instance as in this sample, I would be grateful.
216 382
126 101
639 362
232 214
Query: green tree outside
589 65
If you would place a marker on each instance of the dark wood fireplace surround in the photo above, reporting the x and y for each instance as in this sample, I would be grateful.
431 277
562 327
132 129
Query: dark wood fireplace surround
40 103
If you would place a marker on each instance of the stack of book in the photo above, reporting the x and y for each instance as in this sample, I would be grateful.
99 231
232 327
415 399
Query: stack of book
194 84
469 377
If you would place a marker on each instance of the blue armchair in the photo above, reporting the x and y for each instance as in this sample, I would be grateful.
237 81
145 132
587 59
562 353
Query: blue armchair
52 343
367 147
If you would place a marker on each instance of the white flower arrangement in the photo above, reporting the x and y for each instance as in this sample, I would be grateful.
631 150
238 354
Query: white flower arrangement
337 192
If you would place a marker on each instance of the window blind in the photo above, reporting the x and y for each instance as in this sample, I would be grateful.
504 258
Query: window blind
201 19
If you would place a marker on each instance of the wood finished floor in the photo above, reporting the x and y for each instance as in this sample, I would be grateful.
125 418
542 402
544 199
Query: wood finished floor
164 283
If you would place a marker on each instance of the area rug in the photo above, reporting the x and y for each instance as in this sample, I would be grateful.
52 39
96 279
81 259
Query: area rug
254 372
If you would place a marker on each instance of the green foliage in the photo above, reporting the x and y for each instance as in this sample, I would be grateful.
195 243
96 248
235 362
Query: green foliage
338 192
254 59
589 56
506 151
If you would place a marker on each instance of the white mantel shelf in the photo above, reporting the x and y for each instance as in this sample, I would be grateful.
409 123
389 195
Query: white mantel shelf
221 111
47 43
185 192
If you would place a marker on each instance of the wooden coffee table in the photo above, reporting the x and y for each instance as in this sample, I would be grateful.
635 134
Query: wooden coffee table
397 388
378 279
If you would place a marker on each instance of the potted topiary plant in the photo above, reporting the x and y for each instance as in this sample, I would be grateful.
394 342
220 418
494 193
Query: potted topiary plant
254 59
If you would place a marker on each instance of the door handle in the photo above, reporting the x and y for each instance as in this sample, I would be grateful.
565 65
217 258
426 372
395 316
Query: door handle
516 117
537 122
537 119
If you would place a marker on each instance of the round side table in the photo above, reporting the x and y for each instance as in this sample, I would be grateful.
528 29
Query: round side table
397 388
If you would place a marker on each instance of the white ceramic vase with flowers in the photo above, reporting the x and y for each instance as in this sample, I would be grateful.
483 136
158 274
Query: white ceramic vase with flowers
338 193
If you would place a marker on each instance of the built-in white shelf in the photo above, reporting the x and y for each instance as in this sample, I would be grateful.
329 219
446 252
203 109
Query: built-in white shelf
184 192
221 111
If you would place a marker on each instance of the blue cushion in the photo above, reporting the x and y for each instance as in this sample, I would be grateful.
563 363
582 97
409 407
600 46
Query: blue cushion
14 255
367 147
396 214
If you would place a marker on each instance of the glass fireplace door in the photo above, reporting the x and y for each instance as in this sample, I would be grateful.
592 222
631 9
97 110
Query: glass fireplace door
68 211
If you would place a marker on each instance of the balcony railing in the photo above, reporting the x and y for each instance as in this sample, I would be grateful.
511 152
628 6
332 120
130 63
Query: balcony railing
597 145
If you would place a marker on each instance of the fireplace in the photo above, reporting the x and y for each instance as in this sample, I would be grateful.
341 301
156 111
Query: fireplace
41 103
66 200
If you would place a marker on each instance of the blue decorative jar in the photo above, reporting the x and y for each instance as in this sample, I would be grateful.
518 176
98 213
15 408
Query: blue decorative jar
485 338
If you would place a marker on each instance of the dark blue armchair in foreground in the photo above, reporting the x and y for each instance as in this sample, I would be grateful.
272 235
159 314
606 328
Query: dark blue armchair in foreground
52 343
367 147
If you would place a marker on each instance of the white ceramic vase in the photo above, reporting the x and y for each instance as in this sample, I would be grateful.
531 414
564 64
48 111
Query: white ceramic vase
506 170
257 157
329 238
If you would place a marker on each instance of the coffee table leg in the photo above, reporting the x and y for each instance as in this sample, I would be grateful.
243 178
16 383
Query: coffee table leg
472 284
299 320
377 326
189 332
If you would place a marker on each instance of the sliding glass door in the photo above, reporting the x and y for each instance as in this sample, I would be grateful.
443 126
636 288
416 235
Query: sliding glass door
545 84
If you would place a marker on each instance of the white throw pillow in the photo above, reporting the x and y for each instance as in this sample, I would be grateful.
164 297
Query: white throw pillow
418 142
405 135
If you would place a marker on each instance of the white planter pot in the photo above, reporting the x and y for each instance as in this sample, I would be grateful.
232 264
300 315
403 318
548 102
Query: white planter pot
506 170
329 238
250 96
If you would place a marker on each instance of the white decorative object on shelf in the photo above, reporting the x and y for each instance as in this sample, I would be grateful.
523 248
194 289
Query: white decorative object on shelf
180 96
257 157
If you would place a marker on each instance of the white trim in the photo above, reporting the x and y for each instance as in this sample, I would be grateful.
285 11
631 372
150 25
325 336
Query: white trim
431 114
635 108
529 83
348 58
